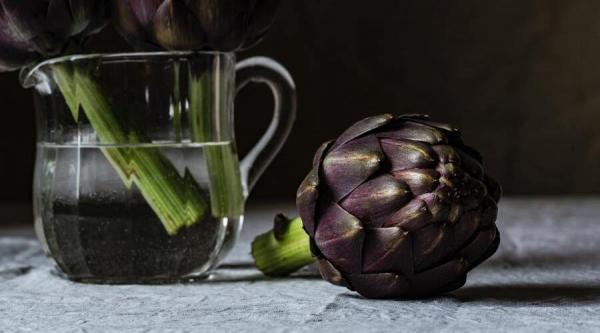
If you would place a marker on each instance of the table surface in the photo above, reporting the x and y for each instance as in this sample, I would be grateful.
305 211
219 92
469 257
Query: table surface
545 277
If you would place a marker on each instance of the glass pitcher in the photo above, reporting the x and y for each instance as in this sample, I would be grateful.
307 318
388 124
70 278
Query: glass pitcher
137 178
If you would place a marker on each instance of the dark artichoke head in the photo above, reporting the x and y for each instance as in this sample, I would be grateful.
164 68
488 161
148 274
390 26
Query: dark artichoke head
399 207
34 29
221 25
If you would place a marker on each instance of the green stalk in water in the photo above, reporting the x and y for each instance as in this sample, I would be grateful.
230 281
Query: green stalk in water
177 200
227 199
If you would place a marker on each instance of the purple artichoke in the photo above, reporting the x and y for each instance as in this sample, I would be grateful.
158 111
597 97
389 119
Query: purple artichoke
397 207
221 25
34 29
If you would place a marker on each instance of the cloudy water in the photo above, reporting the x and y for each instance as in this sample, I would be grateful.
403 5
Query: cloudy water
98 225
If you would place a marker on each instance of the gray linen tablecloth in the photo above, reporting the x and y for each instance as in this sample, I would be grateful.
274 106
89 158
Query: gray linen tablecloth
546 277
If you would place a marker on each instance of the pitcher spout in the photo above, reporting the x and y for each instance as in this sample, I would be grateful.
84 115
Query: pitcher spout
37 77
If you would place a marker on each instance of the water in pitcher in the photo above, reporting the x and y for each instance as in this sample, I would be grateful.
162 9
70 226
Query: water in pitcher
96 223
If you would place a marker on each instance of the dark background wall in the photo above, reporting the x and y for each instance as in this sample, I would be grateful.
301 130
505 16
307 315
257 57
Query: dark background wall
520 77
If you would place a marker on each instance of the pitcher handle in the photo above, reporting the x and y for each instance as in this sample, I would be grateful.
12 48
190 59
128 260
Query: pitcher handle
270 72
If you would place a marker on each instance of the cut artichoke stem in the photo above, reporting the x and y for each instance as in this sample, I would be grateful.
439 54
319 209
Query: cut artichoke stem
283 250
177 200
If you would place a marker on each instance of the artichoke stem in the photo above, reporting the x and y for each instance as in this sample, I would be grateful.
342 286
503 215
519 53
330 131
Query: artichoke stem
283 250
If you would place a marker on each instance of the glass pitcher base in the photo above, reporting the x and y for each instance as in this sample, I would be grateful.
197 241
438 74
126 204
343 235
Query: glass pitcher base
132 280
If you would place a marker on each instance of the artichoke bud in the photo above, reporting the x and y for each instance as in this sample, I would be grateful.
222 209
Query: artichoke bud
194 24
399 207
31 30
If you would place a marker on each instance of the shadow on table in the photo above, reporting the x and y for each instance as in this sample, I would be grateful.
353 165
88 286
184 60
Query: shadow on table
553 293
548 261
535 294
516 295
217 277
246 272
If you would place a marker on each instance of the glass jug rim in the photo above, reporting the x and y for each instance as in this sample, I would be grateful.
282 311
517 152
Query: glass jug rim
28 74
